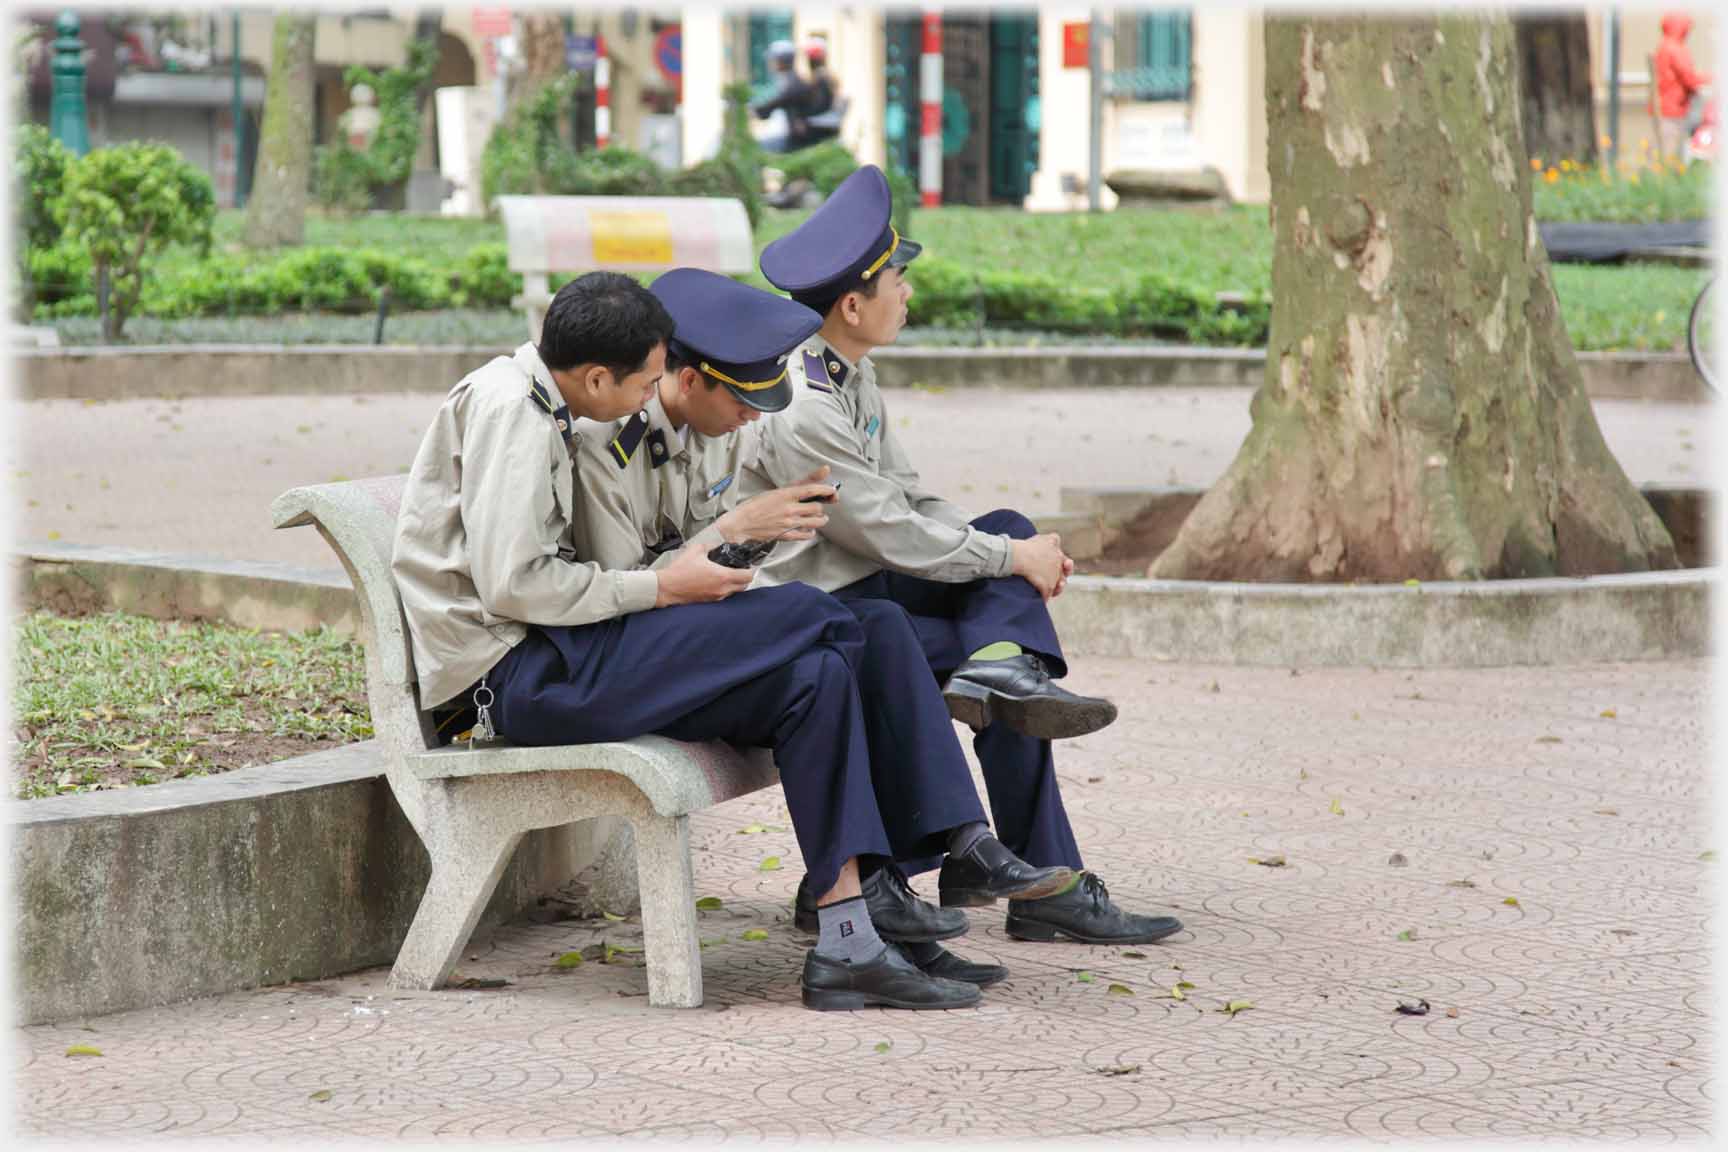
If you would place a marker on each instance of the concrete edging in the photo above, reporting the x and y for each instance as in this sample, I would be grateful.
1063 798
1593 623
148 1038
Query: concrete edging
297 870
1639 616
1647 616
189 370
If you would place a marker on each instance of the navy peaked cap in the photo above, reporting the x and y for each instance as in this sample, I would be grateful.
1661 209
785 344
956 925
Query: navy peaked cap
850 237
739 335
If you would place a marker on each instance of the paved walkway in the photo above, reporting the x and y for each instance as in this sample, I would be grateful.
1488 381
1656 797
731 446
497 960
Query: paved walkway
198 475
1526 850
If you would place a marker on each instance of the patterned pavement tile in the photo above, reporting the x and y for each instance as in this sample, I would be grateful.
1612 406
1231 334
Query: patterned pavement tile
1408 806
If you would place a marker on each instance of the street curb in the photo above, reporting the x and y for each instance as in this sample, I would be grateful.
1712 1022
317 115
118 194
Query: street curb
200 370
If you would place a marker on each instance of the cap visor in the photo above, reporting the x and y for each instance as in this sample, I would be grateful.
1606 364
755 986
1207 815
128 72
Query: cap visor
904 253
772 399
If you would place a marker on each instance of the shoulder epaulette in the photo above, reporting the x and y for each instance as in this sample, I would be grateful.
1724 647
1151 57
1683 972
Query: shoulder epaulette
816 372
629 437
657 448
560 413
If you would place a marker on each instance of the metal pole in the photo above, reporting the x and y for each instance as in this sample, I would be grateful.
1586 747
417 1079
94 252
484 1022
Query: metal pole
930 111
1614 86
68 117
242 185
1095 71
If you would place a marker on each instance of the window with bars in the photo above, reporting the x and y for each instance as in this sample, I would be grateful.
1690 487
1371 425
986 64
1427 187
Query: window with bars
1153 57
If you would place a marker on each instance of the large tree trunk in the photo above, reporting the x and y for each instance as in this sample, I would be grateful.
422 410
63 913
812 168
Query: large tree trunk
542 56
276 214
1559 105
1422 413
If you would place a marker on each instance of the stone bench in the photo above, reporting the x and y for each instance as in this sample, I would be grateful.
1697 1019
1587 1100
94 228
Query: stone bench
546 234
471 806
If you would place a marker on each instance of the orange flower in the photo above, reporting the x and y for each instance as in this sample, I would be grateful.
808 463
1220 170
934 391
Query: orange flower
1535 164
1551 176
1607 140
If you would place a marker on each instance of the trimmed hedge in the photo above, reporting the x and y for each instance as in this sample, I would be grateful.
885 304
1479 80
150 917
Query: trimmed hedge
951 296
348 280
302 280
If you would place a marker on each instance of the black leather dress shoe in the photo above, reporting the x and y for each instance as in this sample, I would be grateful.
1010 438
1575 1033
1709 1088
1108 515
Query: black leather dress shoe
935 960
889 981
987 871
894 908
1085 914
1018 691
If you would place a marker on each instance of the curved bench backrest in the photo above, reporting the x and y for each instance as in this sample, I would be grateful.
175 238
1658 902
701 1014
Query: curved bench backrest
358 520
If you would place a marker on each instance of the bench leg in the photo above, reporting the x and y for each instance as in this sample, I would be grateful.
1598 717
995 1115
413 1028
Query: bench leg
464 877
668 891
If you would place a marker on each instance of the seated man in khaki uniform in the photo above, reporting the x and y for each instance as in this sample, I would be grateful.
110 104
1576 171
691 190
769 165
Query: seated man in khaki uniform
666 476
976 588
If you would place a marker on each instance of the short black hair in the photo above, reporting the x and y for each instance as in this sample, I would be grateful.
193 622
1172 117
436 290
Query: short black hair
822 300
603 318
679 358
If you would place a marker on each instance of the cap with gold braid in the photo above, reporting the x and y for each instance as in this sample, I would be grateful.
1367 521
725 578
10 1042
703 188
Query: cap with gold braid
736 334
851 237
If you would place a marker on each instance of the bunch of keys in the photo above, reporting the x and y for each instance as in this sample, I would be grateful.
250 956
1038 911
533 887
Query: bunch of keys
483 732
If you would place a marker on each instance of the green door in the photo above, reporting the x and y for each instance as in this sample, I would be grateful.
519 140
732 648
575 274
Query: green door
1014 106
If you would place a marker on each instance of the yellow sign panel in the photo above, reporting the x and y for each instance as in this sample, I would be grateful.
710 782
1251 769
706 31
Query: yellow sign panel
631 238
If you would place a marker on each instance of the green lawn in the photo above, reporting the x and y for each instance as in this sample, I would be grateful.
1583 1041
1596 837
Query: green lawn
113 701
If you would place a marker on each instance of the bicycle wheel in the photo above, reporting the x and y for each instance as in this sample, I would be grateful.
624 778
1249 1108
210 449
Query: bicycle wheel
1701 342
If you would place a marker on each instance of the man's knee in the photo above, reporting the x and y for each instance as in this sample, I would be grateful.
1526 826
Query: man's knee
1006 522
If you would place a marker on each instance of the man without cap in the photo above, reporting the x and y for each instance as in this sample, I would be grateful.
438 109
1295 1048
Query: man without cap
551 648
976 587
663 480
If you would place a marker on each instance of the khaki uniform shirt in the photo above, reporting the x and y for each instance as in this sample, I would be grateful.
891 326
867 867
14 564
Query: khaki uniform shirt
484 541
649 493
883 517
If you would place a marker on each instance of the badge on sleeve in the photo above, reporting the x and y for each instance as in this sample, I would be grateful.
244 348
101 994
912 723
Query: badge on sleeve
870 428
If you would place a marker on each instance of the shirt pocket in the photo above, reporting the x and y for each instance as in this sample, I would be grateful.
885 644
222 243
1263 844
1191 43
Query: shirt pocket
870 435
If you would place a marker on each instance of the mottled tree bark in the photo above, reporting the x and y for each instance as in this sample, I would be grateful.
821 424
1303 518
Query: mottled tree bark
1559 105
542 56
276 213
1422 413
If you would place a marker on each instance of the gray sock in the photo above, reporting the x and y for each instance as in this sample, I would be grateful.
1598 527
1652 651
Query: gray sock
846 932
965 836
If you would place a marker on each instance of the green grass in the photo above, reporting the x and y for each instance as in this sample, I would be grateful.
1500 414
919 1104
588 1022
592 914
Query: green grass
115 701
433 237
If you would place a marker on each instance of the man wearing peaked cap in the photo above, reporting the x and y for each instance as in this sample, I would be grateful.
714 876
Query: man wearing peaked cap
726 361
976 587
548 647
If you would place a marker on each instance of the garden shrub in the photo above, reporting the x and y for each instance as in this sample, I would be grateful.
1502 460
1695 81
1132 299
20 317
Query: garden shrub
123 205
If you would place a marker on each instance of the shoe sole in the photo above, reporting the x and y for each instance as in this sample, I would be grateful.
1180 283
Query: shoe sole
1036 716
838 1000
1041 933
814 928
983 898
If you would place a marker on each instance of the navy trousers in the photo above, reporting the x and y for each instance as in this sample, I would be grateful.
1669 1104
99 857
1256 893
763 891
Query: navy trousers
922 781
771 668
952 621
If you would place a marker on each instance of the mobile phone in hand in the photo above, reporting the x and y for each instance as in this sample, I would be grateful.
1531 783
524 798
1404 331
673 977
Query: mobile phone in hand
823 499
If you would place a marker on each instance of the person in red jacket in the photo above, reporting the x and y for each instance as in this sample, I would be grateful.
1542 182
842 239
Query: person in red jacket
1676 83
